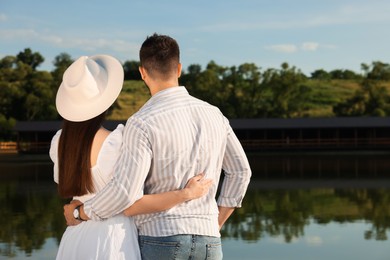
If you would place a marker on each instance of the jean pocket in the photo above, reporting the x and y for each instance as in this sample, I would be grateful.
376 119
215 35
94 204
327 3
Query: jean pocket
152 249
214 251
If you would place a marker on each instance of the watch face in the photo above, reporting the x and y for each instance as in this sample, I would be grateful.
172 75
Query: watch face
75 213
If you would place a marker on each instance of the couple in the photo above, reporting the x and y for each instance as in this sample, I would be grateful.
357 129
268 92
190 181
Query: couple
147 169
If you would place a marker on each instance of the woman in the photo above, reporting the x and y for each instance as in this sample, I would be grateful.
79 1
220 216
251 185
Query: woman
84 155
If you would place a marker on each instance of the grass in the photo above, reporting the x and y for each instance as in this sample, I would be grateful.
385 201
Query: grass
134 94
325 94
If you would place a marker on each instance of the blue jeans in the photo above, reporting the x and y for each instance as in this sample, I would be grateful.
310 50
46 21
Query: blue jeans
188 247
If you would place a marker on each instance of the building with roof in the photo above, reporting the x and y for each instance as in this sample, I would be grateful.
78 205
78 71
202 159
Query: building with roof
353 133
260 134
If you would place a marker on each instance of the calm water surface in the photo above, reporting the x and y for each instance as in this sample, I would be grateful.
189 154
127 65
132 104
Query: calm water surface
299 206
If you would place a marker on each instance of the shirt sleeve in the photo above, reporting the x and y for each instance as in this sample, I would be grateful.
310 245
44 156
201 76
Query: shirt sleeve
237 173
130 173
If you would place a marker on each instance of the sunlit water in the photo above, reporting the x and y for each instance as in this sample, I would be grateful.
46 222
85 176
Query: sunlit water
319 206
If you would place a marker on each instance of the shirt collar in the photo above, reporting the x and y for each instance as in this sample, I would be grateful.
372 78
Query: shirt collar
169 91
179 90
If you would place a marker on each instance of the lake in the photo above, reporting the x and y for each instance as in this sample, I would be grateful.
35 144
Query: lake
298 206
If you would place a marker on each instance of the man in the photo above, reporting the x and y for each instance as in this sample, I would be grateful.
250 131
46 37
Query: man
170 139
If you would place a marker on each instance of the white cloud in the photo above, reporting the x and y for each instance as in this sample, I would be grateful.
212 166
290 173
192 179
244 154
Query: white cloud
314 240
285 48
22 34
310 46
90 43
305 46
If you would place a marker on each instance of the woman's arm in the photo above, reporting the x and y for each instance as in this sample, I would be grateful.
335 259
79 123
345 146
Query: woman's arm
195 188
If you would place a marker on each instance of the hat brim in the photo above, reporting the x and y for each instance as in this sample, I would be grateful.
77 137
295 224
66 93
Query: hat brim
77 112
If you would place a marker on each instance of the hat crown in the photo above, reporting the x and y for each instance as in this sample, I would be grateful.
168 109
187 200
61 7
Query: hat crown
85 79
89 87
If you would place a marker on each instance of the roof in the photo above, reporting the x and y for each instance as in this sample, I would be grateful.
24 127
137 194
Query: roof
242 124
52 126
37 126
294 123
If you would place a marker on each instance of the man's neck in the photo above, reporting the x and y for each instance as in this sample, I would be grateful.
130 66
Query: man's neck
159 86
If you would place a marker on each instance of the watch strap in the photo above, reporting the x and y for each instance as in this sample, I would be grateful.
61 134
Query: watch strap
79 215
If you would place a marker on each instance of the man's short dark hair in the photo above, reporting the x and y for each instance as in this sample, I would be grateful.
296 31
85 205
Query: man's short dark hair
159 55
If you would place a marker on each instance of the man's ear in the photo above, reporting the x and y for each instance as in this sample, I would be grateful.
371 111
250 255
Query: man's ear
142 71
179 67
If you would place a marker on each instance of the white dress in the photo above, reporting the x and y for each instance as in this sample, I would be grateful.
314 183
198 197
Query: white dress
114 238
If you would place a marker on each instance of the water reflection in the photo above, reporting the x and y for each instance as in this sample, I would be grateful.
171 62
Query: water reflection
279 205
287 212
321 165
30 210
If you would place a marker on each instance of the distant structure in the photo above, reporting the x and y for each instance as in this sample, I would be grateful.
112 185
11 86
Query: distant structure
349 133
261 134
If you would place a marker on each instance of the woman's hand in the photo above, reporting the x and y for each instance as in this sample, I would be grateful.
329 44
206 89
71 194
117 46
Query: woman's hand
197 187
68 213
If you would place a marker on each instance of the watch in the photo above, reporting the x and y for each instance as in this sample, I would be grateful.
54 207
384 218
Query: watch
76 213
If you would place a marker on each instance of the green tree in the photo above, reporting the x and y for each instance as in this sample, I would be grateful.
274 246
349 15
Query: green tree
8 84
372 99
354 106
344 74
320 75
288 93
194 69
39 97
61 62
376 71
26 93
33 59
245 93
206 84
131 70
234 90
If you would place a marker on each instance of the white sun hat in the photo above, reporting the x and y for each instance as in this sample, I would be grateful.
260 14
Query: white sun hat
90 85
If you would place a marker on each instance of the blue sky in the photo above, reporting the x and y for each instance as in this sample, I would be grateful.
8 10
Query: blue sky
308 34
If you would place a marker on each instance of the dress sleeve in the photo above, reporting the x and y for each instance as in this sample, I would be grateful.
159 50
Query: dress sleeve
109 153
53 153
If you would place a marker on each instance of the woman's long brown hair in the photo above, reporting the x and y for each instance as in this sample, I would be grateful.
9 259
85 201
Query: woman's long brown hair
74 157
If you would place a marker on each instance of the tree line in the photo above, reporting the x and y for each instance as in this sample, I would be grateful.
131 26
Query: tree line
244 91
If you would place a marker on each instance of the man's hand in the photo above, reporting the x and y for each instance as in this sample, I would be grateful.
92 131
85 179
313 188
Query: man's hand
68 213
224 214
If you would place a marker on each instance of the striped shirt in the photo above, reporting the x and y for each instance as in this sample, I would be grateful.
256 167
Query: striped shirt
173 137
